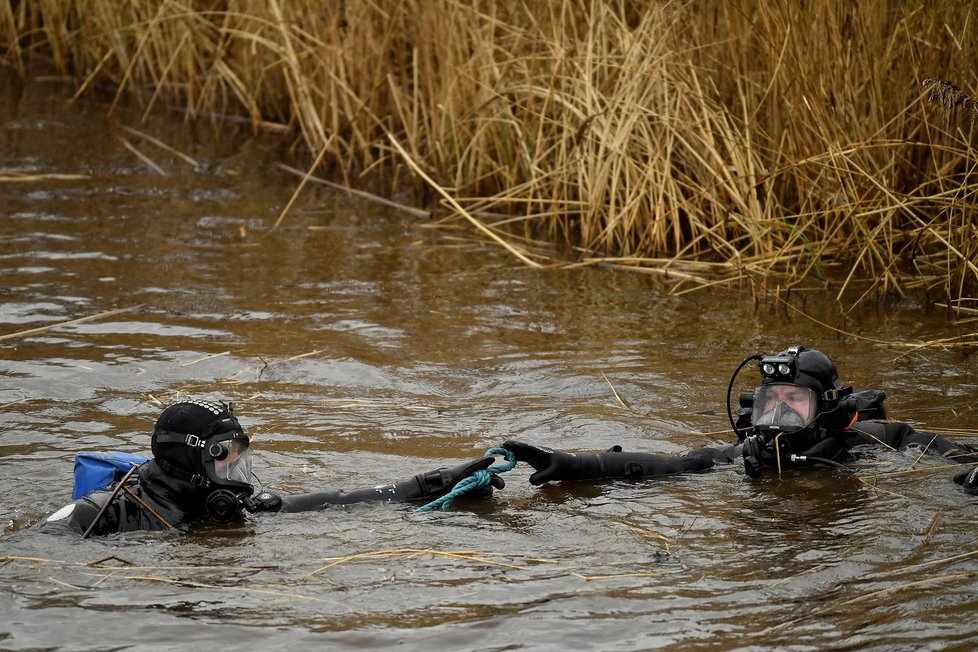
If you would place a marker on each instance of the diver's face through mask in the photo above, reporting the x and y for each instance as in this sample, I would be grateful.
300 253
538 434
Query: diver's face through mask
784 406
232 461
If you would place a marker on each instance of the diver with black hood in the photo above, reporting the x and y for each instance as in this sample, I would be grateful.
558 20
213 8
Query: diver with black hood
201 471
799 415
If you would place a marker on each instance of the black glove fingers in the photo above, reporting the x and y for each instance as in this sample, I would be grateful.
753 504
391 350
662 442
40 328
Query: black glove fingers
538 458
476 465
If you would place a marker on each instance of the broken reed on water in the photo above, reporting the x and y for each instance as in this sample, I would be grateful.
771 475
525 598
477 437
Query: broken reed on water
740 137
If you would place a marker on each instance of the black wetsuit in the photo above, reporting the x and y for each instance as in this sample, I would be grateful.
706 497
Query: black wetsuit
837 445
156 500
615 463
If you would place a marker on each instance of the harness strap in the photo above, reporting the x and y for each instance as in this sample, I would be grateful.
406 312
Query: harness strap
195 479
835 394
171 437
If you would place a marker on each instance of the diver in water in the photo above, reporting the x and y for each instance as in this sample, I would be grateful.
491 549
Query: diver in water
201 471
800 415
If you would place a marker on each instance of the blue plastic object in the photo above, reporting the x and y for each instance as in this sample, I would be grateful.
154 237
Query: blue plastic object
94 471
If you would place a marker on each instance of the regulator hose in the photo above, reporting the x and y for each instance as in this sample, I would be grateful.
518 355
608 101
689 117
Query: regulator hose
733 425
819 460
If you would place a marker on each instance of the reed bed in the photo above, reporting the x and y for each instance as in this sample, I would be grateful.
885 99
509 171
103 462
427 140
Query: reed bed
711 140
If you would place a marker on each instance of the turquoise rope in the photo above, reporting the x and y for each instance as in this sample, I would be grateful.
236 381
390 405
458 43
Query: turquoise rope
478 479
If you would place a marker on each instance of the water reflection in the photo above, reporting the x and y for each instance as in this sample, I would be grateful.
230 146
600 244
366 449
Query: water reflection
359 349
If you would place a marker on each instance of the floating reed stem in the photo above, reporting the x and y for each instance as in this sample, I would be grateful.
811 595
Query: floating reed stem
413 552
72 322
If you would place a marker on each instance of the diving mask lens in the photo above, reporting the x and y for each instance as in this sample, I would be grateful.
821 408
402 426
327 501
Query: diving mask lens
784 406
232 460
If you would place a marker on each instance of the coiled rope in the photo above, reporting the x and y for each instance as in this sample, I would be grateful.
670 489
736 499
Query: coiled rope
479 478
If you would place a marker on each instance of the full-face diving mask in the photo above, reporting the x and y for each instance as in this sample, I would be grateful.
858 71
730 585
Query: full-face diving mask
227 462
783 407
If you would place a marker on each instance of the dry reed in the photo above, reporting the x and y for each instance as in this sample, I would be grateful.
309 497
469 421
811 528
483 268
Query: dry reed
72 322
759 137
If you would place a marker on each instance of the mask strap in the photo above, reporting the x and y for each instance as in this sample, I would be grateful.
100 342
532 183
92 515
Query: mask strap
193 478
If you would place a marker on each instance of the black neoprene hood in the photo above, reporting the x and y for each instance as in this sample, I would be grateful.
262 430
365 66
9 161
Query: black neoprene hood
813 369
201 419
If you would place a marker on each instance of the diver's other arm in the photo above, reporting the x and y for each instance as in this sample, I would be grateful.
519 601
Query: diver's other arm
899 435
902 435
78 516
423 486
553 464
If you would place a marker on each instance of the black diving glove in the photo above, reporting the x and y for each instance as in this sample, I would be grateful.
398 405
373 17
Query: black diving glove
440 481
758 453
557 465
266 501
968 479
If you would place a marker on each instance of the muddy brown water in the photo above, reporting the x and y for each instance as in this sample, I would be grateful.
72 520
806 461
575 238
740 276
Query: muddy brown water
360 347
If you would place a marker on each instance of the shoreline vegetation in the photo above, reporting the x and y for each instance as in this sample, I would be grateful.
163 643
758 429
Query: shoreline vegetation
795 145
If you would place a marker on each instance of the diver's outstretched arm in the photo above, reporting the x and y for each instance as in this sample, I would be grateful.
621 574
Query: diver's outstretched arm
900 435
423 486
553 464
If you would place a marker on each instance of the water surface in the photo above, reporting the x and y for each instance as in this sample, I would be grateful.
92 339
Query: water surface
360 347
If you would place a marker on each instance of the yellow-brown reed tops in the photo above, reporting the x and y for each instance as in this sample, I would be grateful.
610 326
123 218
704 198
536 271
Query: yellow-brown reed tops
753 135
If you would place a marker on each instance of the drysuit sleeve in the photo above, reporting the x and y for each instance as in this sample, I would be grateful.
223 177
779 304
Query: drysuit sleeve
723 455
902 435
424 486
553 464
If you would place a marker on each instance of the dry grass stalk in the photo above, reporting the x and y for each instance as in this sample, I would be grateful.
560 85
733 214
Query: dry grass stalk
206 358
617 576
190 161
625 404
128 571
950 98
916 584
142 157
357 193
20 177
413 552
72 322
